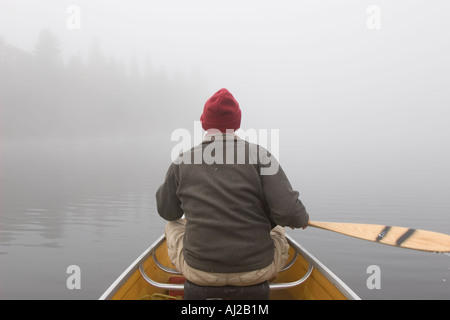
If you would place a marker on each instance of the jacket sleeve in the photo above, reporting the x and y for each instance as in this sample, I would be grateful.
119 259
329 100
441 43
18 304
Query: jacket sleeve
283 202
167 202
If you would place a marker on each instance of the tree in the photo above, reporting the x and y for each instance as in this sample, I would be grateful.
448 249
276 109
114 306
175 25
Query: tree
47 53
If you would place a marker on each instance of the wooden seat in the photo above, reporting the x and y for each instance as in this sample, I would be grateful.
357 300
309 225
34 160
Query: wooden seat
259 291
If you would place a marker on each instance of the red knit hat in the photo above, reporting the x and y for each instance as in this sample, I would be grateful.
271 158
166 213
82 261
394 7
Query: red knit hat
221 112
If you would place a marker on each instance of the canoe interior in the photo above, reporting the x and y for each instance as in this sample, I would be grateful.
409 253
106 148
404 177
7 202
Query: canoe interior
134 287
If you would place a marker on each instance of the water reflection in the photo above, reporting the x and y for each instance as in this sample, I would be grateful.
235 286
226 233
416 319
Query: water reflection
45 187
73 202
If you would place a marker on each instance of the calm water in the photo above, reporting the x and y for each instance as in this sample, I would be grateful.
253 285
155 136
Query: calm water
92 204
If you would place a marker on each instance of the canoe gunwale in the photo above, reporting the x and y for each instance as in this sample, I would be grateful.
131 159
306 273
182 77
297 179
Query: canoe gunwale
313 262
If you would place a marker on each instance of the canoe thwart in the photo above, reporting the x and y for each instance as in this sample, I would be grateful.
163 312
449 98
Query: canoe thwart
163 267
175 271
285 285
291 263
180 287
167 286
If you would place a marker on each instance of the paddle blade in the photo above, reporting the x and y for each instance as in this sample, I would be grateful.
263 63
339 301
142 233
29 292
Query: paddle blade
395 236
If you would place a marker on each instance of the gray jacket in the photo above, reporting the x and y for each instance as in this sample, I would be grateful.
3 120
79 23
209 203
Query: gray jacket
229 204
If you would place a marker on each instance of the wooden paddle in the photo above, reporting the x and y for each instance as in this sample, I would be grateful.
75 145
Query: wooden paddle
394 236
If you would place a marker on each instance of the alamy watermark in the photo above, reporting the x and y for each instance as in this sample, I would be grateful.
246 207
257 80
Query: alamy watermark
373 21
74 280
374 280
213 153
73 21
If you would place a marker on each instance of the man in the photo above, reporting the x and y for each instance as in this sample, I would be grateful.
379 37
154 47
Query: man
233 231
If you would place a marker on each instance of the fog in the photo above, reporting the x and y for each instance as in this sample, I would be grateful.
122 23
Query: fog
310 68
330 75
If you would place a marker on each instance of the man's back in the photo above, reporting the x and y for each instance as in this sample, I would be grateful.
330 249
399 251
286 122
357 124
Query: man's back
223 197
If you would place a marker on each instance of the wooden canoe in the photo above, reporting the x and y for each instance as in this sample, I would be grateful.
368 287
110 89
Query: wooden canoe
153 277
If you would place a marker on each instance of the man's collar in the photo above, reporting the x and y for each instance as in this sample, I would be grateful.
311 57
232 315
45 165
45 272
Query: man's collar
210 136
